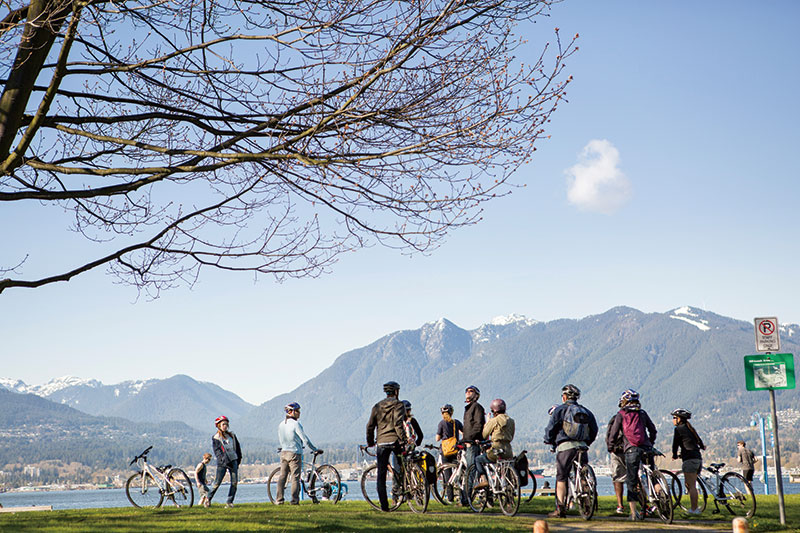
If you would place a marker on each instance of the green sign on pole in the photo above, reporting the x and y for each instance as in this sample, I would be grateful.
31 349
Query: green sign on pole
769 371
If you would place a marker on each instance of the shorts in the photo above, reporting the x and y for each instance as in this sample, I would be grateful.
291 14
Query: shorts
692 466
618 468
748 474
564 461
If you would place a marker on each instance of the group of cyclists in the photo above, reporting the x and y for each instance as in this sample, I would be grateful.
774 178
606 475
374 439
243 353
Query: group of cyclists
571 429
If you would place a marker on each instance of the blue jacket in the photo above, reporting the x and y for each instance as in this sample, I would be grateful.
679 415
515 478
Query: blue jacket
292 438
554 435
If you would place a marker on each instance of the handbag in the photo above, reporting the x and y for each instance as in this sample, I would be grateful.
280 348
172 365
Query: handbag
449 445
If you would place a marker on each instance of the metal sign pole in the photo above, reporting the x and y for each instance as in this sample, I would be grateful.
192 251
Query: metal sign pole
764 453
777 452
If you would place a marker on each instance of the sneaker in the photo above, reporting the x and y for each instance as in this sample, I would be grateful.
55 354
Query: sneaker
482 484
621 510
557 513
636 516
228 505
695 512
206 502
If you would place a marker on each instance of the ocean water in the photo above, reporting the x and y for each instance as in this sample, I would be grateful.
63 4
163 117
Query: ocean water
250 493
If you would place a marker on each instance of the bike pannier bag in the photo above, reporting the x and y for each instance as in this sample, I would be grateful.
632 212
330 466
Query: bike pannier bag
521 466
576 422
429 464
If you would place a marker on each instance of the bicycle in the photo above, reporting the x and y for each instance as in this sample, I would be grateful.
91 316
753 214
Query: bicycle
731 490
450 477
582 487
414 487
654 489
322 483
504 485
149 486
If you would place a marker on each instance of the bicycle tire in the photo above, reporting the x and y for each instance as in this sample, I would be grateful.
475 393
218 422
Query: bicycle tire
272 485
441 488
418 488
147 495
675 487
702 494
326 485
373 500
738 495
179 489
587 492
663 502
511 495
476 498
532 483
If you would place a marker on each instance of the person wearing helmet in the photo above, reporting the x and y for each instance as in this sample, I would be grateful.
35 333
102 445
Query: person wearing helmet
633 426
570 431
686 444
616 452
229 456
385 430
474 420
292 438
448 428
500 430
413 431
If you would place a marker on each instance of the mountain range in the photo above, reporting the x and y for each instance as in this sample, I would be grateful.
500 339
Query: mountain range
686 357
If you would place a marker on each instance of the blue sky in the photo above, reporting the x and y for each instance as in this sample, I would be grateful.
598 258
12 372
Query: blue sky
671 179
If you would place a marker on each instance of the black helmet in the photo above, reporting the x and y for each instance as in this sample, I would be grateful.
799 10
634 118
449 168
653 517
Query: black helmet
571 391
407 405
473 388
498 406
391 386
447 408
682 413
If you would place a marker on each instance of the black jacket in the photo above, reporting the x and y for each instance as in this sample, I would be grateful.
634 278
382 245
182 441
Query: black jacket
220 453
387 419
474 419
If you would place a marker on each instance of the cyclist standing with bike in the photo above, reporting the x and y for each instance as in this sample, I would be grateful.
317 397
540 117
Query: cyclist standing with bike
292 438
500 429
386 430
474 420
570 431
686 444
229 456
638 435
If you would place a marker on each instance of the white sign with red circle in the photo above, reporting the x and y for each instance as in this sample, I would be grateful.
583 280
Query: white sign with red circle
767 338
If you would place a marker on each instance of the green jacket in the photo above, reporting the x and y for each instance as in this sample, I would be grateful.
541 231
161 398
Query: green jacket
500 429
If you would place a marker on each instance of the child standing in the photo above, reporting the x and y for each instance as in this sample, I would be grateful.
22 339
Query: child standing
200 478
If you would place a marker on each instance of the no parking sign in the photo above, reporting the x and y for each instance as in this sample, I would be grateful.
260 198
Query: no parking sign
767 338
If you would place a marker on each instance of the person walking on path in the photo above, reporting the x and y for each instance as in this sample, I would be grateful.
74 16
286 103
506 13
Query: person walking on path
748 460
386 430
229 456
292 438
200 478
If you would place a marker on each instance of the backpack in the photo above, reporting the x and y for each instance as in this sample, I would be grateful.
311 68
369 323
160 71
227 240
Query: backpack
576 422
633 428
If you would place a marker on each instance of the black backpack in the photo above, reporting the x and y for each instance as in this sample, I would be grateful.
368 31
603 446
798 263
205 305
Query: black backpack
521 466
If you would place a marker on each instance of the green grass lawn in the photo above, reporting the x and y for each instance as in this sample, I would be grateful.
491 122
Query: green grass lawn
349 516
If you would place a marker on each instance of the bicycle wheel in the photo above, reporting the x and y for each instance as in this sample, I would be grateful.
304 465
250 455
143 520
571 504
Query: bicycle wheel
443 491
272 485
663 502
367 479
738 493
179 488
532 483
702 494
143 492
675 487
475 498
587 492
511 491
419 490
326 485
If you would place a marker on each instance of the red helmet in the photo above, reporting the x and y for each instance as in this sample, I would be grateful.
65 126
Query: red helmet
498 406
219 419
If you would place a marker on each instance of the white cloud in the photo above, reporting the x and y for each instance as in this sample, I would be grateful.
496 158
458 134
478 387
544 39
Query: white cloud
596 183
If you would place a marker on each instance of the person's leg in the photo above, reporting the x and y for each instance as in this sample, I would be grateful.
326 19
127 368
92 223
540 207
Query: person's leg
234 473
480 471
563 465
217 482
382 456
280 489
295 464
748 474
618 476
469 455
691 486
632 460
618 492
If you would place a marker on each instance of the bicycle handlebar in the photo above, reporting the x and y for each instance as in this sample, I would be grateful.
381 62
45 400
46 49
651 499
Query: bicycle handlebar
141 455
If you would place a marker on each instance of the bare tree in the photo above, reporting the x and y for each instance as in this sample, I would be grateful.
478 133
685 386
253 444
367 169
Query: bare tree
264 135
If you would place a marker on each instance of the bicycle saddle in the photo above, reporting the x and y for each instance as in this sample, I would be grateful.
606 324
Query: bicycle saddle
716 466
163 468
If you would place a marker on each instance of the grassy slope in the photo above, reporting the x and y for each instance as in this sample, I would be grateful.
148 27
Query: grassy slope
347 517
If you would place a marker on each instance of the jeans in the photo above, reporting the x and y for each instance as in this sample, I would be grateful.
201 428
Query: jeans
290 467
469 456
633 458
384 453
233 469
